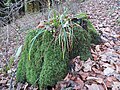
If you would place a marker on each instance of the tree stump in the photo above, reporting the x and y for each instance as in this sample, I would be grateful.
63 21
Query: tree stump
46 65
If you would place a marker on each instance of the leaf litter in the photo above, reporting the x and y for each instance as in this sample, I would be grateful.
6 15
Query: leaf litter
101 73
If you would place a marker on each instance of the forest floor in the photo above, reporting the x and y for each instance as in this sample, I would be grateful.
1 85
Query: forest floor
102 73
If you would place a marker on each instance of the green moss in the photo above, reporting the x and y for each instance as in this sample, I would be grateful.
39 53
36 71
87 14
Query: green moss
30 69
83 39
81 44
93 33
34 65
47 39
20 75
54 68
46 65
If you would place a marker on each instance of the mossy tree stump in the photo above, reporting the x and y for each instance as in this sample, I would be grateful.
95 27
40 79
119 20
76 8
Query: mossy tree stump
46 65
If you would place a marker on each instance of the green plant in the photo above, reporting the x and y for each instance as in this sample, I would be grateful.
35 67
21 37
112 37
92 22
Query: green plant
28 67
54 67
46 51
81 44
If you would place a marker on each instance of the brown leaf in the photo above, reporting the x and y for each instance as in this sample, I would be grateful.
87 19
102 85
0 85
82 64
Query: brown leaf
77 87
83 75
107 29
41 25
19 86
107 44
92 51
95 87
88 65
116 86
108 84
111 78
60 84
117 67
80 82
3 81
108 71
73 78
98 80
68 77
117 77
95 57
97 48
96 70
25 86
100 76
76 63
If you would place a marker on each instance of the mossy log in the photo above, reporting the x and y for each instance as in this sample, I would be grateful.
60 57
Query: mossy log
46 65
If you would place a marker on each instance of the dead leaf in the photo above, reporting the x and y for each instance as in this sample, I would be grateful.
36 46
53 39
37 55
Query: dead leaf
107 29
19 86
92 51
80 82
95 57
107 44
77 87
111 78
96 70
41 25
104 58
108 84
116 86
94 87
117 67
117 49
68 77
84 75
25 86
61 84
78 66
98 80
112 43
3 81
73 78
88 65
97 48
105 65
108 71
117 76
